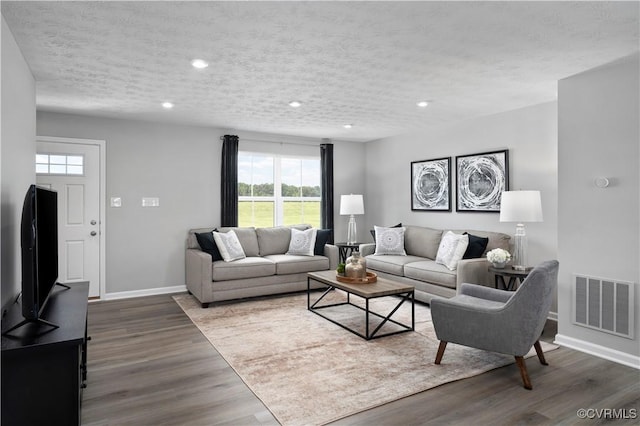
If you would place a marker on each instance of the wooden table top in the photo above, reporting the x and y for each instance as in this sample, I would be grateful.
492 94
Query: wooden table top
382 287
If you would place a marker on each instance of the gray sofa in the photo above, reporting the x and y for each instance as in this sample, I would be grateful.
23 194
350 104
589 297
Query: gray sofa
266 270
418 267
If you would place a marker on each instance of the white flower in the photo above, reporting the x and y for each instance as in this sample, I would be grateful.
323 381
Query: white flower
498 256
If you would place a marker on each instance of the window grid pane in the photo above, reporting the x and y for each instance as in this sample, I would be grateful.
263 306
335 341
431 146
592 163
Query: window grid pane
60 164
278 190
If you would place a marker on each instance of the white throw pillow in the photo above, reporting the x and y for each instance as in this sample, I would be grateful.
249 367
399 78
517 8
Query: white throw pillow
390 240
229 245
302 242
451 249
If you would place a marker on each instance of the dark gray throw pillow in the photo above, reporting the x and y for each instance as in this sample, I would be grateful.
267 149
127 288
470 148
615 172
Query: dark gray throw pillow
208 245
322 238
477 246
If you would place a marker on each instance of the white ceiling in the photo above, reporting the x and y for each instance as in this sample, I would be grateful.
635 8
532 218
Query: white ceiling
365 63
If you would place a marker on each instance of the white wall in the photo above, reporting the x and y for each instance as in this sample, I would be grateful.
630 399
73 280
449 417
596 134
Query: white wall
530 135
599 229
178 164
17 154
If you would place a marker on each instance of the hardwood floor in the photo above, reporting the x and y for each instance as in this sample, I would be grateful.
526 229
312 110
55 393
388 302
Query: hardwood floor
149 365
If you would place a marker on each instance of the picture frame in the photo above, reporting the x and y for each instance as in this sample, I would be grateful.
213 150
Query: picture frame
480 181
431 185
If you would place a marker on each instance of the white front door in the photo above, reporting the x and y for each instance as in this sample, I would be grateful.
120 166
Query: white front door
73 170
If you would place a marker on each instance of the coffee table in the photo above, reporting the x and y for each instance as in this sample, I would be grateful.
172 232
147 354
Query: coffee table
382 288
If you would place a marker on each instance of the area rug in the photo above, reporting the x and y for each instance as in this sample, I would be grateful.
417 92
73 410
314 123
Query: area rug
309 371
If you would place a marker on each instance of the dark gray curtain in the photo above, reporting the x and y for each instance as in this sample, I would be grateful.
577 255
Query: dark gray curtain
229 182
326 199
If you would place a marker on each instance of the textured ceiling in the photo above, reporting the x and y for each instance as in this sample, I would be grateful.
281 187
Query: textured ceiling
365 63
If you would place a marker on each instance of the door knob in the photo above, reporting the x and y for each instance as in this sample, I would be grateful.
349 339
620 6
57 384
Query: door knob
94 233
93 222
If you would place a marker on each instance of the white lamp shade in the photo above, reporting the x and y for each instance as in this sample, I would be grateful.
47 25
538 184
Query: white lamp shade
351 204
521 206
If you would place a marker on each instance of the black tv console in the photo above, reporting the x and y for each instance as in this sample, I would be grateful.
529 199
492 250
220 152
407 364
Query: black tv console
43 369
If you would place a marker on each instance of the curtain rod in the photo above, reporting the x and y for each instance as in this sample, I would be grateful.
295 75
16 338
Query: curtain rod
282 143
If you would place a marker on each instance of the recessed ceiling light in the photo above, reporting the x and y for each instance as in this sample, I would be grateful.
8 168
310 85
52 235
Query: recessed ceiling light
348 126
167 105
199 63
423 104
295 104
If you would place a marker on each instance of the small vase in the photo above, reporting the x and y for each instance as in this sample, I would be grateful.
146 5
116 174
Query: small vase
356 266
499 265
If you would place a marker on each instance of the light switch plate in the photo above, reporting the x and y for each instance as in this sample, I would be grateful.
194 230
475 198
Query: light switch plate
116 202
150 202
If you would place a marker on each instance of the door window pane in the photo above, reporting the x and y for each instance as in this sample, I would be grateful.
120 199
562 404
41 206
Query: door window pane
59 164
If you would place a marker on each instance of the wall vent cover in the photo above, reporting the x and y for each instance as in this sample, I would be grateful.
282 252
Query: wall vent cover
603 304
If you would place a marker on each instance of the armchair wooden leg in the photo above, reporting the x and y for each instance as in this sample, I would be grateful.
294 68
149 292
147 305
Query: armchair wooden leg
523 372
538 348
440 353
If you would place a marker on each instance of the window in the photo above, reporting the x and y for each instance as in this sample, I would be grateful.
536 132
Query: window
59 164
275 190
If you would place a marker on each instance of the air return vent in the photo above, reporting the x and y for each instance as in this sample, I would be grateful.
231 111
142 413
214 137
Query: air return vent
603 304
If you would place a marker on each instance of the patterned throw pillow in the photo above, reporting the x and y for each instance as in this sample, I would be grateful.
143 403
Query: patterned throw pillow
229 245
451 249
302 242
390 240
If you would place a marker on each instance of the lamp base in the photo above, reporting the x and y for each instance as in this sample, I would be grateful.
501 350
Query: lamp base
352 234
520 249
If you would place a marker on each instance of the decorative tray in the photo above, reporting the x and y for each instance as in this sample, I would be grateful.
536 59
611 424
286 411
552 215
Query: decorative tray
371 278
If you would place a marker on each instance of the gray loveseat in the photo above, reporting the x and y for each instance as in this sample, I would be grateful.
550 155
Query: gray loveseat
419 268
265 270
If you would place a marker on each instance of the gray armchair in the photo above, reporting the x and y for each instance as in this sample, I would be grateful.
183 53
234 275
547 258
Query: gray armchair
497 320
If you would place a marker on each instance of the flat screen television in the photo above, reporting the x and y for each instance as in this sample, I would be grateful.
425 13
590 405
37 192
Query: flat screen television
39 241
39 244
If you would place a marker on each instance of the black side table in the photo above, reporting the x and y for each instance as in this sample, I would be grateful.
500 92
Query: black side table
345 250
515 277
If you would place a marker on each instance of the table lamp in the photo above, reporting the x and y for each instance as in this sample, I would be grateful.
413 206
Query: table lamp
351 204
520 207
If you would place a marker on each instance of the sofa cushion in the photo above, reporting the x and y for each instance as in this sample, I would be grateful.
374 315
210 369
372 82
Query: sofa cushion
391 264
273 240
451 249
477 246
389 241
248 239
431 272
229 246
249 267
422 241
293 264
322 238
208 245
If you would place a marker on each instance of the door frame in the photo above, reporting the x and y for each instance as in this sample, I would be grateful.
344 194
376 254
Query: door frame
101 144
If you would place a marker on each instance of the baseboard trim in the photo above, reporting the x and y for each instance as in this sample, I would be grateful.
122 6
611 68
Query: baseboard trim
553 316
599 351
145 292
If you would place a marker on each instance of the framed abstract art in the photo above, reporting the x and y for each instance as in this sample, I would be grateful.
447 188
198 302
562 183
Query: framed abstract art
481 179
431 185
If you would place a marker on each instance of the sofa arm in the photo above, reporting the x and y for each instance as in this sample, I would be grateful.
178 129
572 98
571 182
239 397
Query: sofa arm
474 271
331 252
199 274
367 249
